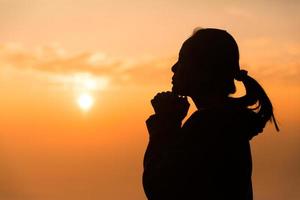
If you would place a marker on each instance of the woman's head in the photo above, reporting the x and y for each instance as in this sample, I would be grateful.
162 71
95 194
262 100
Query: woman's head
206 68
208 62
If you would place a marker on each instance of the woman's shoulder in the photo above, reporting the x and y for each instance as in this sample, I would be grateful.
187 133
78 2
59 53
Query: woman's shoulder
230 120
206 119
218 113
243 120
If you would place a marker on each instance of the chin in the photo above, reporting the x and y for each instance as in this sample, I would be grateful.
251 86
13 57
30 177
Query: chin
174 90
178 91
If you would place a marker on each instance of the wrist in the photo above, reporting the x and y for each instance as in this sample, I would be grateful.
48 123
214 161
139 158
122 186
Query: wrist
158 123
165 119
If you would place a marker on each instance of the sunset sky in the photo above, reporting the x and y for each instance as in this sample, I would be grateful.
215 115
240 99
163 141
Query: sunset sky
76 79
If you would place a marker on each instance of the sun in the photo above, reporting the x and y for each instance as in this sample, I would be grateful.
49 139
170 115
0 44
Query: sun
85 102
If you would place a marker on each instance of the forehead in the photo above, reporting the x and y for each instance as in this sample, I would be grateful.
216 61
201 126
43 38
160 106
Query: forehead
191 48
186 47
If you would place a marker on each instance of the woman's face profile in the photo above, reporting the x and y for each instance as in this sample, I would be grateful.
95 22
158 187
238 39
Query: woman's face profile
179 79
203 67
184 78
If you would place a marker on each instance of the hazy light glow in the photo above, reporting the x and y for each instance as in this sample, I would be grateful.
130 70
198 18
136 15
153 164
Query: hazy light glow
85 102
89 82
81 82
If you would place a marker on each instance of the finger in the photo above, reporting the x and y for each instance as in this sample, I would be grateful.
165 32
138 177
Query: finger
159 98
164 96
153 103
159 95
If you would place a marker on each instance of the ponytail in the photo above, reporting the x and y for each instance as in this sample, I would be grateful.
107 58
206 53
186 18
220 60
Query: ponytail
257 97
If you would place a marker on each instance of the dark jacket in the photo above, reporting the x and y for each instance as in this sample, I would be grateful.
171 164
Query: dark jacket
208 158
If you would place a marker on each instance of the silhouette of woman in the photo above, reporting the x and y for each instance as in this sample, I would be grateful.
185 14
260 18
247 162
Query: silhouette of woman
209 157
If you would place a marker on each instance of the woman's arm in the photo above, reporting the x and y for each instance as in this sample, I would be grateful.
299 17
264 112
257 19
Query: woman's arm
160 160
164 125
163 134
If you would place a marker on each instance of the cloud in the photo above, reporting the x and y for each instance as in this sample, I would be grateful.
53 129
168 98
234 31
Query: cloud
55 60
271 59
261 56
57 63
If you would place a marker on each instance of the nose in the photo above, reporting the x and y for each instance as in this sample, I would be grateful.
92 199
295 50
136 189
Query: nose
174 67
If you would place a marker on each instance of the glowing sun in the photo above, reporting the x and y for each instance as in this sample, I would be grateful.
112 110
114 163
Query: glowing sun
85 102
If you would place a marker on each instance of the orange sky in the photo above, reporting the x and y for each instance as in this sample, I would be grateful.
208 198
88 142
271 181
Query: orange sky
120 53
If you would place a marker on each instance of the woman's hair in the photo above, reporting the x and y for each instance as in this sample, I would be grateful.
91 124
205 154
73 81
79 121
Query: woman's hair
218 53
257 97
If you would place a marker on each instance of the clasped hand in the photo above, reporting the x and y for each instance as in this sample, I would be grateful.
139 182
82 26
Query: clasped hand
170 106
